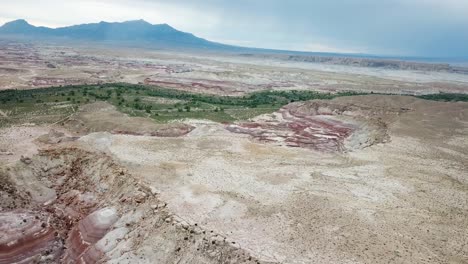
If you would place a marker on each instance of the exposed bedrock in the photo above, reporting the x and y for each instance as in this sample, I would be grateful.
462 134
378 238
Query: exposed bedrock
320 125
69 205
81 242
26 236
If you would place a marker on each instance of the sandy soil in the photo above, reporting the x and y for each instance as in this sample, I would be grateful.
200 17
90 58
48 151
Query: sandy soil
400 202
362 179
24 65
109 119
19 141
213 196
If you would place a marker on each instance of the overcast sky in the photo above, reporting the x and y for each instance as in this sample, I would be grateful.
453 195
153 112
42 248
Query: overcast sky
430 28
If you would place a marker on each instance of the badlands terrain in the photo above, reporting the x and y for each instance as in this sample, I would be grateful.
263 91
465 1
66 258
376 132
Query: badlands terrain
25 65
137 156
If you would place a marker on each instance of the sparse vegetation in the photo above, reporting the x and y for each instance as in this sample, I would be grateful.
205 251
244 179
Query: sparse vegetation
446 97
158 103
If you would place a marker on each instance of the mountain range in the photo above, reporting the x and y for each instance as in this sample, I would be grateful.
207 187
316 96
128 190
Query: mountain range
137 32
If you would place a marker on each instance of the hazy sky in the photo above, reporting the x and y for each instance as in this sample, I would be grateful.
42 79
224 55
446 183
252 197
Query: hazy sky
391 27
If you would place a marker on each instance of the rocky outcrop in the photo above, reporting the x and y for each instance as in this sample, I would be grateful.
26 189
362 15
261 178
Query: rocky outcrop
55 137
28 237
82 239
98 213
318 125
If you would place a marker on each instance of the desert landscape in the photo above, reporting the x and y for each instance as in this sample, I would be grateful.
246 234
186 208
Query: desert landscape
26 65
113 153
135 155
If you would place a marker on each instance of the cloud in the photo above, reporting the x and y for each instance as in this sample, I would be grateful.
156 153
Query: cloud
401 27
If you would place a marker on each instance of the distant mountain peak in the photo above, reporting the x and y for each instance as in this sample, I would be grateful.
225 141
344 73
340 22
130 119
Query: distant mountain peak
140 21
19 21
166 26
19 25
138 32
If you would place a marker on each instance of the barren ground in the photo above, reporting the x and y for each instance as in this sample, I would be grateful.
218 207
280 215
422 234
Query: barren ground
24 65
357 179
387 203
402 201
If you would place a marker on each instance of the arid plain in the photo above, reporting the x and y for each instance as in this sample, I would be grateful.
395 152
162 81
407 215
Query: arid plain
368 178
26 65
